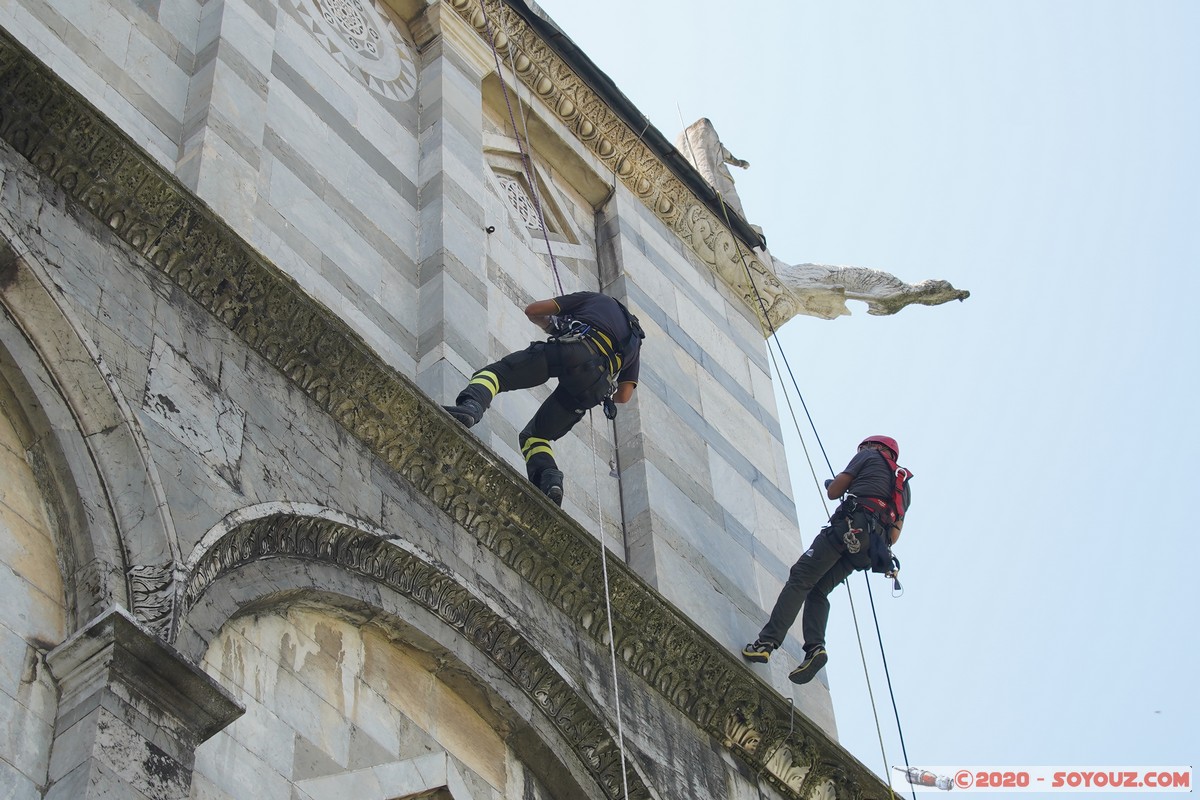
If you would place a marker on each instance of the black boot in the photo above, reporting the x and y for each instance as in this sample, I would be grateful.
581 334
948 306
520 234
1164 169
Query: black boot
468 411
815 657
551 483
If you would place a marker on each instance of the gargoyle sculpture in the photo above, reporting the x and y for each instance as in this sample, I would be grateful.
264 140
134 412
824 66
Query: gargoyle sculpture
818 290
822 291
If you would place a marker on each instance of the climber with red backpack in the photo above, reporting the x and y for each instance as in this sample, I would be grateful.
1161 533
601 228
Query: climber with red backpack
859 536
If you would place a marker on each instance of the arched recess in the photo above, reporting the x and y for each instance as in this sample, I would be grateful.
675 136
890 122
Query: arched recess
33 616
268 565
117 541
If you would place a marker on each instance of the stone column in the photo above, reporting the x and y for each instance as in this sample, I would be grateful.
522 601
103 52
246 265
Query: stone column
131 713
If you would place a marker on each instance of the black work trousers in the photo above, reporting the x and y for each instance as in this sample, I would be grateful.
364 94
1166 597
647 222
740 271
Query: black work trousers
582 383
818 572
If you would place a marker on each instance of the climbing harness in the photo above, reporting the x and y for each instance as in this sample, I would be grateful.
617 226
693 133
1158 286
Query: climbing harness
594 380
889 510
879 552
597 341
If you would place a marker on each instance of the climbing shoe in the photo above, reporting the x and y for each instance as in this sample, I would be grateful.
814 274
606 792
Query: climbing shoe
468 411
814 659
758 651
551 484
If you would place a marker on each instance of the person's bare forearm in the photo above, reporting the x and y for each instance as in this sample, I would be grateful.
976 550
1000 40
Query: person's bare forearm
540 312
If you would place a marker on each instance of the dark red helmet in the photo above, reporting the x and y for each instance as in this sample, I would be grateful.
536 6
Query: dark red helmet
886 441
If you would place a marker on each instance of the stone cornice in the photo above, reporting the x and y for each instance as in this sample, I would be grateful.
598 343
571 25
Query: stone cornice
111 179
116 650
625 153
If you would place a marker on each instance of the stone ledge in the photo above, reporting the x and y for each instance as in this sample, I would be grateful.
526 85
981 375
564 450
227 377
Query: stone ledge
114 652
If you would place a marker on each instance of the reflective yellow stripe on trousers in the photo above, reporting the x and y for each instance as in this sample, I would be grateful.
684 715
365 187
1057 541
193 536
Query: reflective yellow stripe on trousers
487 379
534 445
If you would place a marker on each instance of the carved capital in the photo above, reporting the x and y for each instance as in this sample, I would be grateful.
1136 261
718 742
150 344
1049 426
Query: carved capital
140 707
152 594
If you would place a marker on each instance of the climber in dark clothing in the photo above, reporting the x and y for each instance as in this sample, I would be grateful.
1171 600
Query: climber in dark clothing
593 350
859 536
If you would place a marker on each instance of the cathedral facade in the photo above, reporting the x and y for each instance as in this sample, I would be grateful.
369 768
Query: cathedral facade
247 249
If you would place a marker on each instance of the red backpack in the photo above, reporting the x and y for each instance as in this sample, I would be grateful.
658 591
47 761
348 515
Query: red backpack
890 509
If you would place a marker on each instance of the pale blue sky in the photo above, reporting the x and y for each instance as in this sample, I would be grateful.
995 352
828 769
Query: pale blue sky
1045 156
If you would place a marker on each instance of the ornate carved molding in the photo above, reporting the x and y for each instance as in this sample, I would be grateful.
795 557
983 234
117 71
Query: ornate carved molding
111 179
622 150
153 594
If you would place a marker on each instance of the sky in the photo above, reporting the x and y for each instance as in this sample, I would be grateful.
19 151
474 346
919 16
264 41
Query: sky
1045 156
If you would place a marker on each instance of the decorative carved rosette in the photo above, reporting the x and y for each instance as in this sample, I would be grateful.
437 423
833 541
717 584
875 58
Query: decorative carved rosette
361 36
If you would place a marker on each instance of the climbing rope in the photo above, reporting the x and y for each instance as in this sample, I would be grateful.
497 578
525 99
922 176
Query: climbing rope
774 335
612 642
866 578
862 653
824 497
526 163
887 674
530 177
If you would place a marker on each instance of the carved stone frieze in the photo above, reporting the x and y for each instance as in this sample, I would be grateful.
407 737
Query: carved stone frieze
622 150
98 168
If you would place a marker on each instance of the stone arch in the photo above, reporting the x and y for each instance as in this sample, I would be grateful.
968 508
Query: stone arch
33 616
117 541
274 561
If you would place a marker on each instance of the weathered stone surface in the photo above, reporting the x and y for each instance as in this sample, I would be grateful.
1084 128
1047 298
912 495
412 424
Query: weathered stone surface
132 707
621 150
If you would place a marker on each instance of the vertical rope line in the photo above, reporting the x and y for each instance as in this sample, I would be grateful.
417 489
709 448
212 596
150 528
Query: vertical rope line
849 594
526 164
870 691
887 674
530 172
796 424
531 178
612 642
